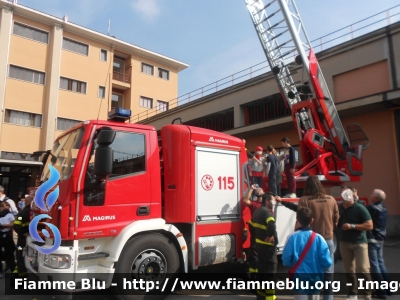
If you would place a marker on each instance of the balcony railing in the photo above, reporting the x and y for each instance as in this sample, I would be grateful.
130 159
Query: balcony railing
122 77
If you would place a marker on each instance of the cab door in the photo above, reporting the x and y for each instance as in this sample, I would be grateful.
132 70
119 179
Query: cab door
125 196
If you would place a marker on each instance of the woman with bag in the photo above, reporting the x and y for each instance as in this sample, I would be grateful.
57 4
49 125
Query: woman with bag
307 254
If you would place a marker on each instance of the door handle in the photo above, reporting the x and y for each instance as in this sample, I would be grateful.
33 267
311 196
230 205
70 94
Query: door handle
143 211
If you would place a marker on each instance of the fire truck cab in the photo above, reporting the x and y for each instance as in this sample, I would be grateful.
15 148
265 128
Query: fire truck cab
135 202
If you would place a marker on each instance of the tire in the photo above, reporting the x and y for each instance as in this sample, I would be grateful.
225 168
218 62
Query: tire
150 257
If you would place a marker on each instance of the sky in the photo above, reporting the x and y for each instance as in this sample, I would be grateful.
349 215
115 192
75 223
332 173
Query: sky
216 38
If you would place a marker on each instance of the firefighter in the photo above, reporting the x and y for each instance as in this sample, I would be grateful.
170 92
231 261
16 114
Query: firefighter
257 192
6 238
21 227
266 241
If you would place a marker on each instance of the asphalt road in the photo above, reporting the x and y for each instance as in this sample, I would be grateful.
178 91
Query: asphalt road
391 256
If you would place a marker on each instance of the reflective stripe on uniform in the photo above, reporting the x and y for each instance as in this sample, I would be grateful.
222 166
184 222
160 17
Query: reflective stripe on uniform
252 270
264 242
256 225
266 294
270 219
261 226
17 222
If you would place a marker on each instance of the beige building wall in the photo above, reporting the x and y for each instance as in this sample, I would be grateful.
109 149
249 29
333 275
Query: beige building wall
89 69
27 53
151 86
51 102
364 52
381 166
5 27
364 81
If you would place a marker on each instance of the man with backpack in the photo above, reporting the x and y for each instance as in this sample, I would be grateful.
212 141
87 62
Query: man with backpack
6 238
3 197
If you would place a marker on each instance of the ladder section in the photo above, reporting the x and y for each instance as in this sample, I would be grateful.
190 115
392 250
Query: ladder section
285 41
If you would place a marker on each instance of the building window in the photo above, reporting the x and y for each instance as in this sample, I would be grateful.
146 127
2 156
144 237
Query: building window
26 74
75 46
117 100
119 65
269 108
23 118
103 55
30 33
64 124
162 105
102 92
18 156
220 121
72 85
164 74
146 102
147 69
27 171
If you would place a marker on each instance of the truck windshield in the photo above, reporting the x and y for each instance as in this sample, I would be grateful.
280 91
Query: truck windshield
63 155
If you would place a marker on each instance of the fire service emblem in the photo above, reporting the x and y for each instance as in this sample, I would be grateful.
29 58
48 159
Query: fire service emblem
207 182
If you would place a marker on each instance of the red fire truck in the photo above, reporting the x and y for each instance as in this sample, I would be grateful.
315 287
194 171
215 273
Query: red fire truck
135 202
132 201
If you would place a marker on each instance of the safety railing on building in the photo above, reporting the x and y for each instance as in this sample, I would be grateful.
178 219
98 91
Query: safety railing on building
332 39
122 77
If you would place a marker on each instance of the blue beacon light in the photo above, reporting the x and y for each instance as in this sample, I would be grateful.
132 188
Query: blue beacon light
119 114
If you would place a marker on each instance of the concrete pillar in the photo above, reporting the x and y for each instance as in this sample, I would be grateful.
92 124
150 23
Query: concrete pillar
52 87
5 32
238 116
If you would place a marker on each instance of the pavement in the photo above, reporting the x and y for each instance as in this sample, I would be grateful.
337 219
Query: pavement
391 257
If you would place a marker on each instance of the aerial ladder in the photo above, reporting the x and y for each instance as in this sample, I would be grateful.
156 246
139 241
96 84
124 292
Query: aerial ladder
325 149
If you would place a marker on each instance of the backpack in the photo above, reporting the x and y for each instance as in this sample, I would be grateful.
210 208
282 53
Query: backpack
5 199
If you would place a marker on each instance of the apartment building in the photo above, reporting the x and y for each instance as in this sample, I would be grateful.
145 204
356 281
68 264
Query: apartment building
363 76
54 74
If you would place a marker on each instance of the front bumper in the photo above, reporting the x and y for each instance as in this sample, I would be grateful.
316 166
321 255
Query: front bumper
34 262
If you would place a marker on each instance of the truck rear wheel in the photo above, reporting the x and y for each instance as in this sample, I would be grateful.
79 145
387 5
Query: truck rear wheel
150 257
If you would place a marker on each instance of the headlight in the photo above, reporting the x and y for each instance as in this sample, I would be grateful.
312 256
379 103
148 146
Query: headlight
57 261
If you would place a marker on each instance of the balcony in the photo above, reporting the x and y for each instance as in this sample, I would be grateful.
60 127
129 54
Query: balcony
122 77
121 81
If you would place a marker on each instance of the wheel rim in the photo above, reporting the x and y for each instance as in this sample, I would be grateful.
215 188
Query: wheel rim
149 265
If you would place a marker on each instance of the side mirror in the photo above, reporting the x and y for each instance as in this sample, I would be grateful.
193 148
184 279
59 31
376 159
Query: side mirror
106 136
104 156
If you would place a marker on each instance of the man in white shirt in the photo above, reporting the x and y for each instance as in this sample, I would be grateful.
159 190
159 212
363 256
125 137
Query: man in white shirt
3 197
6 238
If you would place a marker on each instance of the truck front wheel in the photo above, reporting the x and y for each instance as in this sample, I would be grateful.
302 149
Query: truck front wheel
150 257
